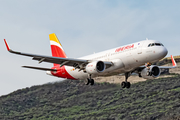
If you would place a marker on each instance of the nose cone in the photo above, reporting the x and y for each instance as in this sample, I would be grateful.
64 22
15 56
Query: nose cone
163 52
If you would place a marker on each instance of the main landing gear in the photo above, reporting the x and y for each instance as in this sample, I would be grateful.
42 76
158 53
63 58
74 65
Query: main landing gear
90 81
126 84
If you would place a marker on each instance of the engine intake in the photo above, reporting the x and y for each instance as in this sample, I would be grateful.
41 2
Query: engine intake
151 73
95 67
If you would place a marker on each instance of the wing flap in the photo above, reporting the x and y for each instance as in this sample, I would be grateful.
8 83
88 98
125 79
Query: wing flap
58 60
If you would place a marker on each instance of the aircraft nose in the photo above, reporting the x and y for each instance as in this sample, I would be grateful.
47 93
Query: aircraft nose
163 52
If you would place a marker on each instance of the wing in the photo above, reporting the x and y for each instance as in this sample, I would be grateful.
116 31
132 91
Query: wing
174 65
58 60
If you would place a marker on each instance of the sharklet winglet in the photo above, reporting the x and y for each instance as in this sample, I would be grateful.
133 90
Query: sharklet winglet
173 61
7 46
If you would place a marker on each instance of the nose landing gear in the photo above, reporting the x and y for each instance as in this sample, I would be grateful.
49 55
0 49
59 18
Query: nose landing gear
148 65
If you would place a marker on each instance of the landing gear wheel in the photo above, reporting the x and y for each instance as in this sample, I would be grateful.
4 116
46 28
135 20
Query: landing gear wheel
88 81
123 84
92 81
128 85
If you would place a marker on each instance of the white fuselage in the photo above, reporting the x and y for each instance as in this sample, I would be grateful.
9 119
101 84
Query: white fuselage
125 58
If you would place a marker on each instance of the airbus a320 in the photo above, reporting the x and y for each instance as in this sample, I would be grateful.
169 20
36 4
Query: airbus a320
133 58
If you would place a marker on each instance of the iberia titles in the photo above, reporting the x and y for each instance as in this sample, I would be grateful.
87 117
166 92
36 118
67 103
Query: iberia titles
124 48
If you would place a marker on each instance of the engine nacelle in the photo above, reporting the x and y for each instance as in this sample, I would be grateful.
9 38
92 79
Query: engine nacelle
95 67
150 73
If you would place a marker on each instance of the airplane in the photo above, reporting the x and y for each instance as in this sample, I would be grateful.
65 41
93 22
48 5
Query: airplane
132 58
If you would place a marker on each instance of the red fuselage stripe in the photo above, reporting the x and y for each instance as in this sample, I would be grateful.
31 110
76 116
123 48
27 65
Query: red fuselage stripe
62 72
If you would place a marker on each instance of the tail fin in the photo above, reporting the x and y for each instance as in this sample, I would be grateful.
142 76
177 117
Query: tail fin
56 47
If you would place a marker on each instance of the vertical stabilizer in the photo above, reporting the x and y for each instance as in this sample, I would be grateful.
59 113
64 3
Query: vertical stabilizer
56 47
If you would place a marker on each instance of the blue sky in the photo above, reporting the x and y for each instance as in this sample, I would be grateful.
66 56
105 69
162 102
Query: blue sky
83 27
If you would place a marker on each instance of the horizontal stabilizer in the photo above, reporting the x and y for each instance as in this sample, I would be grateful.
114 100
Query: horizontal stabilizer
39 68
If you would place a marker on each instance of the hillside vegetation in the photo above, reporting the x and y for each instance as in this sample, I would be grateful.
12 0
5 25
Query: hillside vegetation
71 100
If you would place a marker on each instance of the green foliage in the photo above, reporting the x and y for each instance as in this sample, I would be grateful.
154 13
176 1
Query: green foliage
72 100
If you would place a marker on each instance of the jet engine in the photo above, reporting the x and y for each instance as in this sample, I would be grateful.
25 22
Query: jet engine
151 72
95 67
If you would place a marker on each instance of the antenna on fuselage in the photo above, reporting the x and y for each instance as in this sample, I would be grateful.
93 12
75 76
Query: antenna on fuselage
146 38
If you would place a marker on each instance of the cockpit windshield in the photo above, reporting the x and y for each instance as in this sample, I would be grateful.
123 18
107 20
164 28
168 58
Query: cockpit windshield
155 44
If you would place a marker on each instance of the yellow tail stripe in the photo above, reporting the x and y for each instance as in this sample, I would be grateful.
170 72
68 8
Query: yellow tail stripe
53 37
